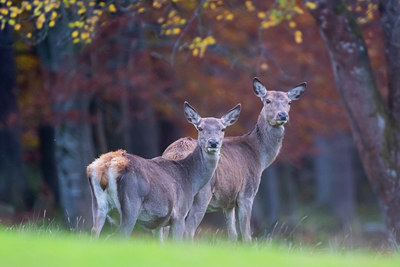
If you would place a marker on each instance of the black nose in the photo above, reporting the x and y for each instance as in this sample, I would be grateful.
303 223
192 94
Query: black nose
283 116
213 143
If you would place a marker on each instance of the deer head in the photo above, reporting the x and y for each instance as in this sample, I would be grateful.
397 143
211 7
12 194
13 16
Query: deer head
276 103
211 131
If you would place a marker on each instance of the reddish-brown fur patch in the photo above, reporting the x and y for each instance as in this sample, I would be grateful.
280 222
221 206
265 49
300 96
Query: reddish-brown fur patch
180 149
101 165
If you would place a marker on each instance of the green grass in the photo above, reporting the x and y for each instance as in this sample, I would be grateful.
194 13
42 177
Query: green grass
44 249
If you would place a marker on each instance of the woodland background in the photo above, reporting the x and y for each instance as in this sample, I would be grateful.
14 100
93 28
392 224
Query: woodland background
97 76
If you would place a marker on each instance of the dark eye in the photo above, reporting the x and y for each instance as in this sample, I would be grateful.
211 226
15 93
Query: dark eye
290 102
223 130
200 129
267 101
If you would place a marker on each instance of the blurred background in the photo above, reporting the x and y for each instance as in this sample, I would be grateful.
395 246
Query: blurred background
81 78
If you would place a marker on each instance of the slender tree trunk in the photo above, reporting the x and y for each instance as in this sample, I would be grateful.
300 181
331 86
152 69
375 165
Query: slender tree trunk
13 182
374 129
48 161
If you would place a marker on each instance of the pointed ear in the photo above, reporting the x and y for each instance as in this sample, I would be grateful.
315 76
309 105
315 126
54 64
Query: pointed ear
259 88
232 116
296 92
191 114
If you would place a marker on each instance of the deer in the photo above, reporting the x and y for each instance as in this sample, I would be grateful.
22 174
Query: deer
243 159
156 192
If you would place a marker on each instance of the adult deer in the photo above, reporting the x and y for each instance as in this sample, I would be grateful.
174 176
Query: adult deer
156 192
243 159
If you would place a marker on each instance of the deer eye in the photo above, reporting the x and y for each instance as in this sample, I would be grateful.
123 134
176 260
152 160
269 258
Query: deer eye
290 102
267 101
200 129
223 130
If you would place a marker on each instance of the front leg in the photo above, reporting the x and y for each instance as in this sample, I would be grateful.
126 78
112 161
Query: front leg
161 233
231 223
178 227
244 214
197 211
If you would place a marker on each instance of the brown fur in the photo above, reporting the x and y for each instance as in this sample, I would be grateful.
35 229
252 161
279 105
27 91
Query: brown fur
180 149
101 165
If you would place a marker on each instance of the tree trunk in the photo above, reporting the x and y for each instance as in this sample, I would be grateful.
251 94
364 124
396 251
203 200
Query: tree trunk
335 183
48 161
74 152
373 128
13 182
73 140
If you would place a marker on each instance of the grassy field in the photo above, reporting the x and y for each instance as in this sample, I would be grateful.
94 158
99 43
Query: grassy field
31 249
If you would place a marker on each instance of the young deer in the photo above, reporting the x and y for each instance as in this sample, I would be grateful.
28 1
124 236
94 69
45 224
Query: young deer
156 192
243 159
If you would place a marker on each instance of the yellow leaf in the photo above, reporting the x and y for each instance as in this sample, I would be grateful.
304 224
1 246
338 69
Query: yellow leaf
311 5
195 52
176 31
13 15
29 35
249 6
28 7
209 40
298 10
168 32
229 16
76 40
261 15
74 34
53 15
298 36
39 25
41 19
267 24
292 24
52 23
3 11
112 8
17 27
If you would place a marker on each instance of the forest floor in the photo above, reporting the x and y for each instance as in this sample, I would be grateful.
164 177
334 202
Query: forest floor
28 247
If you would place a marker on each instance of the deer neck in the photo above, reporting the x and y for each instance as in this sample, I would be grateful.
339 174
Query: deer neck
200 167
267 141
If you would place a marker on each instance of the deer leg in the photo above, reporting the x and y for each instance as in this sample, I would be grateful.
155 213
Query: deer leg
130 209
231 223
99 218
197 212
244 215
178 227
99 207
161 233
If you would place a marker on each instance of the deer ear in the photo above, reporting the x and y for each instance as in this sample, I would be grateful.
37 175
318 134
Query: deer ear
232 116
296 92
191 114
259 88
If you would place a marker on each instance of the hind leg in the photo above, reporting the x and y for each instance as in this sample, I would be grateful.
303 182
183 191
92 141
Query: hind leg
99 208
99 217
130 209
